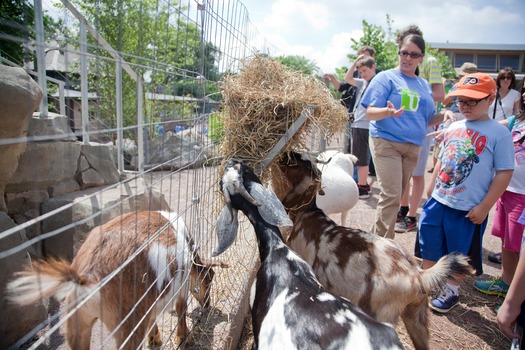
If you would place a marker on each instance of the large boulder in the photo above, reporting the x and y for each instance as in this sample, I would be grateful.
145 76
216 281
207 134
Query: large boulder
96 167
188 148
55 163
44 165
20 96
54 127
90 208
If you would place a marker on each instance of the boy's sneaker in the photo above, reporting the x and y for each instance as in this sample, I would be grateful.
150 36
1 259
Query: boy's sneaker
364 191
406 224
401 214
445 301
496 286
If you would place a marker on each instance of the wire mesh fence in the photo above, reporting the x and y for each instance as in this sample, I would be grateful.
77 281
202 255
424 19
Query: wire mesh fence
129 122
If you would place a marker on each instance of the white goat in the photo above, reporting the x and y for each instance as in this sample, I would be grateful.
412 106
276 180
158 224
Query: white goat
375 273
290 309
130 301
340 189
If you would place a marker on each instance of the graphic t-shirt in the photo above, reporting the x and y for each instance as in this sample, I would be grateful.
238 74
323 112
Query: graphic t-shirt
471 154
413 93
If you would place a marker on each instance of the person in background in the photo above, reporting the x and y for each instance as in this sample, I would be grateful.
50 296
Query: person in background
509 208
359 146
430 70
503 108
400 108
474 169
348 98
507 100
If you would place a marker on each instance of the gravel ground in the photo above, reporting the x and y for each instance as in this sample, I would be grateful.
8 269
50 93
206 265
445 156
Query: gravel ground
471 325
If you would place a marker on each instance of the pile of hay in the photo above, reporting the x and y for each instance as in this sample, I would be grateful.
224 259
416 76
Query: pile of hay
263 100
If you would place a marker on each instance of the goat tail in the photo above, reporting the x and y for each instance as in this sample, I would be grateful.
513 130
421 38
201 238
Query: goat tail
44 279
449 266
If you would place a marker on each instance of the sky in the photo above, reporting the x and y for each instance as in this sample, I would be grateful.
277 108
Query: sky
321 30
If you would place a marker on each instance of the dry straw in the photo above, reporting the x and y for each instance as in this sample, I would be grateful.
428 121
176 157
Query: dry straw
263 100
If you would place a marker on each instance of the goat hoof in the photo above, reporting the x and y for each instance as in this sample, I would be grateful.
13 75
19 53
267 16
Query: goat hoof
154 339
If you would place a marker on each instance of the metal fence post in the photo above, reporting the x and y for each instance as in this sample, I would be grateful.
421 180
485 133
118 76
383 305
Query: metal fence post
41 57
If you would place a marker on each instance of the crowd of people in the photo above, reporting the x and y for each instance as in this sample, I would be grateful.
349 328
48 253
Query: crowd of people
477 127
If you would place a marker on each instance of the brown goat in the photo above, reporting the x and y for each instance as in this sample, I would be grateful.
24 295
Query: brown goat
373 272
126 273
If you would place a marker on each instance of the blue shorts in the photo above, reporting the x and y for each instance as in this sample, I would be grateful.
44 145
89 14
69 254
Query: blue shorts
443 230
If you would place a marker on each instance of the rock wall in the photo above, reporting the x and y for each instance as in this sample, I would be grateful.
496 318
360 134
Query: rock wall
43 169
20 96
62 188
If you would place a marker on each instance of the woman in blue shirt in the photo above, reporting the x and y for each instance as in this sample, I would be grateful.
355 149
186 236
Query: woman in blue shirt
400 107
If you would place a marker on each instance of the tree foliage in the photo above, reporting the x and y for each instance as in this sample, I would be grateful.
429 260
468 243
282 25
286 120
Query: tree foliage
17 26
155 38
162 46
299 64
383 42
447 70
376 37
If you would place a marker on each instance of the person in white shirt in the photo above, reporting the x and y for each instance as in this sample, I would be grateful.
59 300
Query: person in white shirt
507 101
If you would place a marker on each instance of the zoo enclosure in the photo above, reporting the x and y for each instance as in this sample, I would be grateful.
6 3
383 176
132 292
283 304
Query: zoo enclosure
142 78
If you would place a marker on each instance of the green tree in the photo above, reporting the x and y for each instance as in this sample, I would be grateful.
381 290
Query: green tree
383 42
17 26
162 46
299 63
447 70
376 37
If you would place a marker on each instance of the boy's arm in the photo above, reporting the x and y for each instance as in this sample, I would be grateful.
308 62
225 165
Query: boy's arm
438 92
478 214
349 76
509 311
441 117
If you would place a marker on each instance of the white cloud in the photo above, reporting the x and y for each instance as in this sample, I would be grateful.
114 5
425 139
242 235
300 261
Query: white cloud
321 29
335 54
293 15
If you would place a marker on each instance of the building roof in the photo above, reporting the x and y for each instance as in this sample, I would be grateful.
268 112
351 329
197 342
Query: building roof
76 94
164 97
478 47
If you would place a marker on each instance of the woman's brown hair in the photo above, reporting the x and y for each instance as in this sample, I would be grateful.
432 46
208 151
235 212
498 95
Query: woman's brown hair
507 71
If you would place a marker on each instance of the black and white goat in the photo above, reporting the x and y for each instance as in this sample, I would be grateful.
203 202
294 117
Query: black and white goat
375 273
290 309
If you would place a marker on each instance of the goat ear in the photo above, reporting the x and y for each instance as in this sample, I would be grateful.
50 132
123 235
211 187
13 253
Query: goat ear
226 230
271 210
